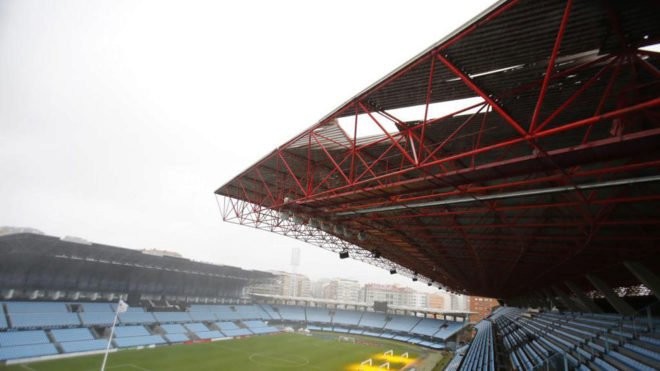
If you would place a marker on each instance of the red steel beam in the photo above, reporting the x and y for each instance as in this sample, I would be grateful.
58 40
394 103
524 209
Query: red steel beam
468 81
551 65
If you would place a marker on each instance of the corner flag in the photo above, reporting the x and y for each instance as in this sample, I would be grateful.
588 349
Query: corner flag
122 306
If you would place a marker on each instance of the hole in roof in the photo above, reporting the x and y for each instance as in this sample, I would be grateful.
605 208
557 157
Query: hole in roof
498 70
651 48
368 128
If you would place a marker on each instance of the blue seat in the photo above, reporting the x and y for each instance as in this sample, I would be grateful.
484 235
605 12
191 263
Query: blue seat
173 329
84 345
237 332
27 351
373 320
226 326
198 316
318 315
401 323
135 341
43 320
36 307
209 334
136 318
96 318
8 339
73 334
255 324
176 338
3 321
97 307
130 331
172 317
196 327
346 317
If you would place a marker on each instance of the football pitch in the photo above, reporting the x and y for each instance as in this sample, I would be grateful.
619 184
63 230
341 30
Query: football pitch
274 352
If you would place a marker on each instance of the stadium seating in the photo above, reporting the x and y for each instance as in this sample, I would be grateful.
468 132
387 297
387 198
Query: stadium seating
457 359
373 320
237 332
26 351
35 307
130 309
84 345
255 324
605 342
177 327
481 354
130 331
271 312
135 341
196 327
176 338
43 320
73 334
172 317
3 320
173 329
346 317
97 307
209 334
401 323
96 318
290 313
427 327
136 317
318 315
251 312
226 313
264 330
13 338
202 315
448 330
259 327
200 308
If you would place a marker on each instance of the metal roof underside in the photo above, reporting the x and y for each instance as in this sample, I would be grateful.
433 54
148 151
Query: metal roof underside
551 175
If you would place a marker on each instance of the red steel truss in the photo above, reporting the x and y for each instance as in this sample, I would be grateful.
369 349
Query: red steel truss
549 171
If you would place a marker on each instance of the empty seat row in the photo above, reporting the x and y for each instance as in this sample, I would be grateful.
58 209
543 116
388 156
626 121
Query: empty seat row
481 354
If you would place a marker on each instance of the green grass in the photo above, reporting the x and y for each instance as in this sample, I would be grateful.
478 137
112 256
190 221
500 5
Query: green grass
275 352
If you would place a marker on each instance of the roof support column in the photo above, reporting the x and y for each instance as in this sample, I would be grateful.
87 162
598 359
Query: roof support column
570 304
536 300
621 306
648 278
541 301
589 304
552 302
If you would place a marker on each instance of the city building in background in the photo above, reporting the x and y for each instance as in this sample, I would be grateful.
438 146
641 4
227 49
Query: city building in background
392 294
342 290
285 284
481 307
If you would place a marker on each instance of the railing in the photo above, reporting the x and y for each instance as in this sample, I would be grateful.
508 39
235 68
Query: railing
557 361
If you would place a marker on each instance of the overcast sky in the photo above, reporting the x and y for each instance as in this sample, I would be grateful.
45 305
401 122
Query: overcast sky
118 119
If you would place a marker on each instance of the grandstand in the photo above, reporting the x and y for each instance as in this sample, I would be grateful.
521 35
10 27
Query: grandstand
538 186
47 318
517 158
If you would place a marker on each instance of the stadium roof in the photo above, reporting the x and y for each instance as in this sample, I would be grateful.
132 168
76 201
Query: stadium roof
40 262
518 152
